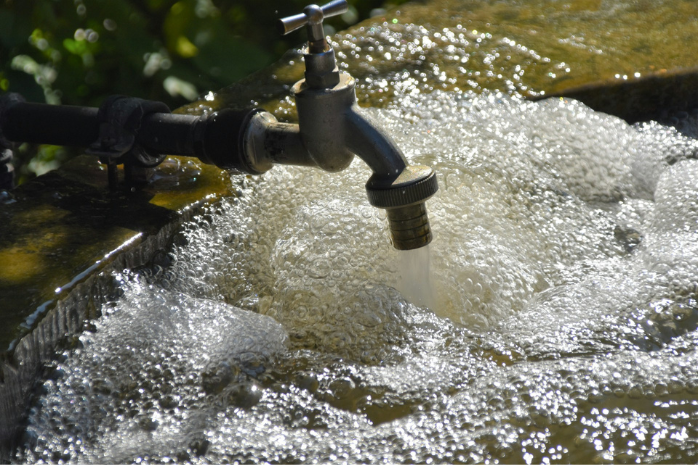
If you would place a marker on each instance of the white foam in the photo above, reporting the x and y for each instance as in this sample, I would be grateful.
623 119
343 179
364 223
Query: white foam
562 319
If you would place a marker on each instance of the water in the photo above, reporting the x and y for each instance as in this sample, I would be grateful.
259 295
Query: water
518 48
414 281
284 328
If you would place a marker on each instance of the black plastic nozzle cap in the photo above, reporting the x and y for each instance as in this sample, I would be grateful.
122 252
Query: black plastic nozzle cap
415 184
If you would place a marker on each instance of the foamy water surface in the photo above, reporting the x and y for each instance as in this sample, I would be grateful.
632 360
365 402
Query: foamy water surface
561 324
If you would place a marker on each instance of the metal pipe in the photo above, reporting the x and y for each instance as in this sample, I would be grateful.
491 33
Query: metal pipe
169 133
39 123
137 125
75 126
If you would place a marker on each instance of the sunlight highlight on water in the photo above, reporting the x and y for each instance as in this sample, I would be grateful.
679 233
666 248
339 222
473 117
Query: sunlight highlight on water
561 324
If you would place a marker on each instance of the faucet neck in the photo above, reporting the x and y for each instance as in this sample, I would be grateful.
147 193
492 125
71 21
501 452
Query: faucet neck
321 71
320 64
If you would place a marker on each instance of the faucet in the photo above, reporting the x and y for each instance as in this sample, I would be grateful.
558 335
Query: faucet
331 129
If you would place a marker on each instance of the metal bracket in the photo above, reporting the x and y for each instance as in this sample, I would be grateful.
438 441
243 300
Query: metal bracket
120 120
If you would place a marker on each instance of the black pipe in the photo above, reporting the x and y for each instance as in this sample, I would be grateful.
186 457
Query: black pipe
170 134
215 139
39 123
74 126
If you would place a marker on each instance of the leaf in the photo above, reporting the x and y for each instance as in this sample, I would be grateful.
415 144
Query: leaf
185 48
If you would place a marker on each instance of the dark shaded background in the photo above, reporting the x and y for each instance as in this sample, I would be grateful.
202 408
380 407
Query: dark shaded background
77 52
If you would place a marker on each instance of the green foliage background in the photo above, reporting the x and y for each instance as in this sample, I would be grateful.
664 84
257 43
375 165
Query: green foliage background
77 52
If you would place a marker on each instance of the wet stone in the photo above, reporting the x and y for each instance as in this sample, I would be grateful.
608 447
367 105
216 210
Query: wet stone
617 57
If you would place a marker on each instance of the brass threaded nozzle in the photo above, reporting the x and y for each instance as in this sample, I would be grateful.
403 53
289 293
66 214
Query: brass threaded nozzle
409 226
403 197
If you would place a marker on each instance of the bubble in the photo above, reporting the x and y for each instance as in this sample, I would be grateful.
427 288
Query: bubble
560 323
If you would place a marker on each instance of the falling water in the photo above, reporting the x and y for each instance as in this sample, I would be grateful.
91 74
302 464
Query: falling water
415 277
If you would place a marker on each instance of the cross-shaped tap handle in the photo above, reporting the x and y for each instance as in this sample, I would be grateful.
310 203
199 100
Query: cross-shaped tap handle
312 16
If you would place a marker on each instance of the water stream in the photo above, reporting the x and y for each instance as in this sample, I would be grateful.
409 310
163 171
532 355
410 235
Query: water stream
559 324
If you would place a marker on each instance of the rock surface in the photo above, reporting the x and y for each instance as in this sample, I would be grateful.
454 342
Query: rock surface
623 57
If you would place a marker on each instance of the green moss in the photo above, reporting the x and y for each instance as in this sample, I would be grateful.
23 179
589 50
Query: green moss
532 48
67 222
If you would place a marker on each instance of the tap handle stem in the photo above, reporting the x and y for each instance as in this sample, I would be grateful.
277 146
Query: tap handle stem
313 16
292 23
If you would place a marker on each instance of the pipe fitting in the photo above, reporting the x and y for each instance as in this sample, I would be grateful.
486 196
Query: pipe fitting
120 120
415 184
409 226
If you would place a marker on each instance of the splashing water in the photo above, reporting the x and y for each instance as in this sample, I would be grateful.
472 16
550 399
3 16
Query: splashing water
561 324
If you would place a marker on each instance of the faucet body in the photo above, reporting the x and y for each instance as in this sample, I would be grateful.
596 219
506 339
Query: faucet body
331 130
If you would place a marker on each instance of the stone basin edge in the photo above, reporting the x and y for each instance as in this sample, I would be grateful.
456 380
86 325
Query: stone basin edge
21 363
